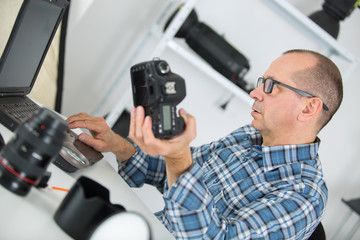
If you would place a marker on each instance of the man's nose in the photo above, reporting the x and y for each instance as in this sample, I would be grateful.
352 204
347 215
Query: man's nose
257 93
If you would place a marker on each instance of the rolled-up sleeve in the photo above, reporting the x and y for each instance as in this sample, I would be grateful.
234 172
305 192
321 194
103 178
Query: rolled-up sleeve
142 168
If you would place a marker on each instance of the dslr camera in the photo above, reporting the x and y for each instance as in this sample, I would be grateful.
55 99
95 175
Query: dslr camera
159 90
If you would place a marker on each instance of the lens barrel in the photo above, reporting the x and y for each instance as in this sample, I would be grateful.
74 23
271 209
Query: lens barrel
36 142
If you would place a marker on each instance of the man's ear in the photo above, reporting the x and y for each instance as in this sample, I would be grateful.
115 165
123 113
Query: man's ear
312 108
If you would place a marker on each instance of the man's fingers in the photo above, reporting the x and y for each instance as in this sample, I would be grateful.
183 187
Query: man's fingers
96 144
190 126
93 124
136 124
141 132
148 134
139 121
83 137
83 120
132 123
183 114
78 116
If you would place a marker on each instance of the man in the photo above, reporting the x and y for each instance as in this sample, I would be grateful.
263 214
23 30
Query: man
262 181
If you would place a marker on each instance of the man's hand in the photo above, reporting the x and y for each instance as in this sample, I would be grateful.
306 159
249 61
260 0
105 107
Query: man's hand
103 138
176 150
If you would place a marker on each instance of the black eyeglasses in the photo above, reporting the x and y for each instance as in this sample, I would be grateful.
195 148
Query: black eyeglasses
269 85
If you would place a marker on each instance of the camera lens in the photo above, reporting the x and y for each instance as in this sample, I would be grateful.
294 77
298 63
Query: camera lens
24 160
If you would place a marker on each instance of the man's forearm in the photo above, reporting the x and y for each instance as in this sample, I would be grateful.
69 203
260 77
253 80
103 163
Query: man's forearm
123 149
175 167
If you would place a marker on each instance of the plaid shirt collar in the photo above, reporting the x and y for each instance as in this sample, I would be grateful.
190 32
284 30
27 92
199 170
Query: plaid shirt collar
277 156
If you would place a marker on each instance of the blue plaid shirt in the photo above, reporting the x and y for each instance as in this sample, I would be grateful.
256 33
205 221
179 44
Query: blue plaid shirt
238 189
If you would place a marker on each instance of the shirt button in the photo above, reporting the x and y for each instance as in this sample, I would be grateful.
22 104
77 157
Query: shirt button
216 180
245 159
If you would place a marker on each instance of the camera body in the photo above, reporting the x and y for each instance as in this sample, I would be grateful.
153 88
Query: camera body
159 90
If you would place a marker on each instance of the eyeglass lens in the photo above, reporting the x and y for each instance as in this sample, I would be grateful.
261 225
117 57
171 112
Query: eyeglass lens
268 84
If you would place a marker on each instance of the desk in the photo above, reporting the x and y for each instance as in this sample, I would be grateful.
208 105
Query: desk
31 217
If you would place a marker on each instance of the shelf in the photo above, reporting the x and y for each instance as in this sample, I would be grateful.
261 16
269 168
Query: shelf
212 73
300 21
292 15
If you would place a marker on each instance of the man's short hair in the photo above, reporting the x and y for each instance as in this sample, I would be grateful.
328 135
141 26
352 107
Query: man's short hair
323 80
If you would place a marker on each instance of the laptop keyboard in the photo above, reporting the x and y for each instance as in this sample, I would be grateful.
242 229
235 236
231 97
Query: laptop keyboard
20 111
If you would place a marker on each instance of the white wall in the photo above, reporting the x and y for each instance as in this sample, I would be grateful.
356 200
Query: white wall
103 35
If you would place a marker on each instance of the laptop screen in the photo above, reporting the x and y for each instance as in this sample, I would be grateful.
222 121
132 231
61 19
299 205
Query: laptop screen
28 43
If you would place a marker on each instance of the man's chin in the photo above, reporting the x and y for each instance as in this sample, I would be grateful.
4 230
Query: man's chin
255 125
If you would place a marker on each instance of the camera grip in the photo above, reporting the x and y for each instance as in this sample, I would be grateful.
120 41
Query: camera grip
181 124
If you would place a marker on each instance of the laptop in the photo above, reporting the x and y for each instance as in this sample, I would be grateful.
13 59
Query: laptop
20 63
24 53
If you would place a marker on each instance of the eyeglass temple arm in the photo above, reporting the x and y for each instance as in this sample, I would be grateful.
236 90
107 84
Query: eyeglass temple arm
302 93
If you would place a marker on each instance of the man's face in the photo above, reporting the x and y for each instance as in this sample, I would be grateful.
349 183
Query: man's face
275 114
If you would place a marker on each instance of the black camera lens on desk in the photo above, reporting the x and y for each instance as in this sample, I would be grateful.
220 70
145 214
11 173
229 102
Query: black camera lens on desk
86 213
24 160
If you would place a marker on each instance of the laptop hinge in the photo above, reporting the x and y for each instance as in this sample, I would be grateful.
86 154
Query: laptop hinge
12 94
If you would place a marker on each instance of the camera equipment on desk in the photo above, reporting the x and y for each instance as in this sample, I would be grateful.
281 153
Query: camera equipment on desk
159 90
75 154
332 13
87 213
27 155
214 49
